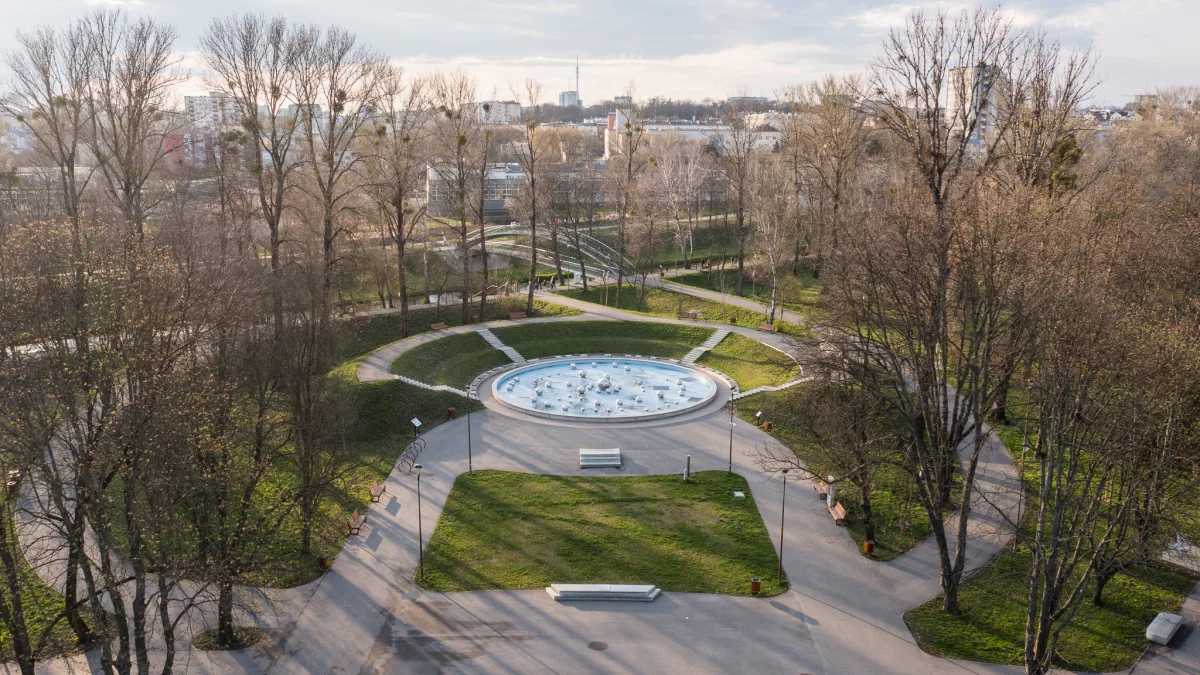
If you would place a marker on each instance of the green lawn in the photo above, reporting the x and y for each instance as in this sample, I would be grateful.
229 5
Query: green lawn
357 336
749 362
42 606
603 337
503 530
453 360
900 521
800 294
991 626
661 302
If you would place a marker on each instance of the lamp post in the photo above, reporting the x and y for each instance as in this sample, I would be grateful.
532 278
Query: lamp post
420 530
1021 492
731 426
469 467
782 512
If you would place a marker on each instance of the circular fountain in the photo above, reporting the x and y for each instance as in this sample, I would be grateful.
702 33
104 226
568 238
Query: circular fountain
621 390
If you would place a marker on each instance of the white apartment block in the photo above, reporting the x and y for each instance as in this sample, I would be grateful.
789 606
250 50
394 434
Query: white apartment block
499 112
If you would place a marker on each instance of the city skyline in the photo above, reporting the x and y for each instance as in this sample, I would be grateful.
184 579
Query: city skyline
704 49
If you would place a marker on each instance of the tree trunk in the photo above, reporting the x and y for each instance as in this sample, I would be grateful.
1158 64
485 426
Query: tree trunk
225 634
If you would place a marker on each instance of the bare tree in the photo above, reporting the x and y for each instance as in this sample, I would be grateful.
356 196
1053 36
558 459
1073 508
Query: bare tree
253 60
133 73
533 153
737 150
337 86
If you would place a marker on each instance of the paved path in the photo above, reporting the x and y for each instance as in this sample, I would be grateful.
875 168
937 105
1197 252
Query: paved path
842 614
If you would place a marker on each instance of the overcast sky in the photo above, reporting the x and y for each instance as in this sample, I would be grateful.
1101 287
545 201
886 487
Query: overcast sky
674 48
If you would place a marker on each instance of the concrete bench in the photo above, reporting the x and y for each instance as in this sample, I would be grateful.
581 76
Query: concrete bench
516 316
1163 627
356 522
821 488
838 512
692 314
597 459
441 325
767 327
618 592
376 490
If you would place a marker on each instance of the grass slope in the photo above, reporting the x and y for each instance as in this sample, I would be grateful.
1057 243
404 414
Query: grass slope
901 523
991 625
357 336
749 362
503 530
453 360
603 337
800 294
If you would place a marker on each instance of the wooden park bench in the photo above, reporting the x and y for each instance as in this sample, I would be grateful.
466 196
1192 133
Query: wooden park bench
838 512
441 325
768 327
376 490
821 488
356 522
517 316
692 314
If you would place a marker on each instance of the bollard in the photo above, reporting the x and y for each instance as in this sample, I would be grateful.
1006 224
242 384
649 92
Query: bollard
687 472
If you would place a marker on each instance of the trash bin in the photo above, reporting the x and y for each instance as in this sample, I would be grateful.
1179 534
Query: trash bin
755 585
766 426
869 547
452 412
322 561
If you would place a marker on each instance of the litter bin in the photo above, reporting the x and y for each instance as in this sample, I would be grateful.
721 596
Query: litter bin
452 412
755 585
869 547
322 561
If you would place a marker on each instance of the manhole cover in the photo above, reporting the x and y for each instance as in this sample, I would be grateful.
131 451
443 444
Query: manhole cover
598 646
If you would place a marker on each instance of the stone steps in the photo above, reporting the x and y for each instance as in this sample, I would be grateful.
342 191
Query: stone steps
490 337
617 592
712 341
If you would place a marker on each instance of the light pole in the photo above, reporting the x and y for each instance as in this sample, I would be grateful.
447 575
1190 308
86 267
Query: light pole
782 512
420 530
731 426
469 469
1021 492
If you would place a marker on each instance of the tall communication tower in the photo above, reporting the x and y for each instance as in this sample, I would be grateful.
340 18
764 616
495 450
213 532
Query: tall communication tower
577 79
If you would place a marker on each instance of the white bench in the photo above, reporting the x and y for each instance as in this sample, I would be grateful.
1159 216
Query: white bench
1163 627
597 459
618 592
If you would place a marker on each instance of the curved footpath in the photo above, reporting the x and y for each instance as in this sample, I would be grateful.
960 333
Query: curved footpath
842 614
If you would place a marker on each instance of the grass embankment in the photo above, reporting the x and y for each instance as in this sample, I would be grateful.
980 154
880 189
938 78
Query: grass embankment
603 337
503 530
454 360
42 607
991 625
900 521
750 363
360 335
800 294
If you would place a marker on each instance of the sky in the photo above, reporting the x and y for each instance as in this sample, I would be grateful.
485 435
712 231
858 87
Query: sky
670 48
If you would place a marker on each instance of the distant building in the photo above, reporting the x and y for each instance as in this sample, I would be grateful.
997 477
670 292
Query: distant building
504 181
499 112
207 118
567 99
972 97
747 101
767 136
623 100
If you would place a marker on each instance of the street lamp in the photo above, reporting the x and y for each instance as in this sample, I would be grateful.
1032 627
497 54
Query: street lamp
731 426
420 530
782 512
1020 491
469 469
